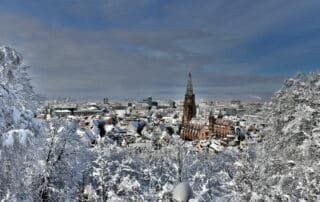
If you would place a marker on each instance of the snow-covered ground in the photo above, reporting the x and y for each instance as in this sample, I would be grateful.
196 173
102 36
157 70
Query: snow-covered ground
51 160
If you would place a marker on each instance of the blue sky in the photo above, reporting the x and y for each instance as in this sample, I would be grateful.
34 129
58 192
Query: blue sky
134 49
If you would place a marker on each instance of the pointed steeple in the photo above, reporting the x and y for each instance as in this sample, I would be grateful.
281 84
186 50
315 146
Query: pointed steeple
220 115
189 86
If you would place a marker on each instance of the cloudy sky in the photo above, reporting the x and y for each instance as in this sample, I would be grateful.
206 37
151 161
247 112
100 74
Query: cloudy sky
140 48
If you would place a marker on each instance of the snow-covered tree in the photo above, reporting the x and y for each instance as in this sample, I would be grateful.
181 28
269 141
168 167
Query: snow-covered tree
38 159
48 161
20 134
66 162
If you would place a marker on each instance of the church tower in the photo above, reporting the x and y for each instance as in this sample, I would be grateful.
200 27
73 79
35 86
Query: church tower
189 106
212 121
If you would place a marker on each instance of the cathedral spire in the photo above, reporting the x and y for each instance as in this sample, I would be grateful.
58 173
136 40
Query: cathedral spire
211 114
189 86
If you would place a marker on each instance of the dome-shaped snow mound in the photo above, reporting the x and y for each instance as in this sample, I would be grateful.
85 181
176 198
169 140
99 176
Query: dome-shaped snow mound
182 192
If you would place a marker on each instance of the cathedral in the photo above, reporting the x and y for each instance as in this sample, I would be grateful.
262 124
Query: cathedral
189 105
218 128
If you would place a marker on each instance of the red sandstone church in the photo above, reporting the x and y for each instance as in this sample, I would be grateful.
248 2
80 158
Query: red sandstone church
218 128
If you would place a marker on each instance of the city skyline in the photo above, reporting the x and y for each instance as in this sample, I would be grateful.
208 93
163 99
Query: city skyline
135 49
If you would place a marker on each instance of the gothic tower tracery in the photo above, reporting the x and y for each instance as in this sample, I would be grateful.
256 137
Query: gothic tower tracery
189 106
218 128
